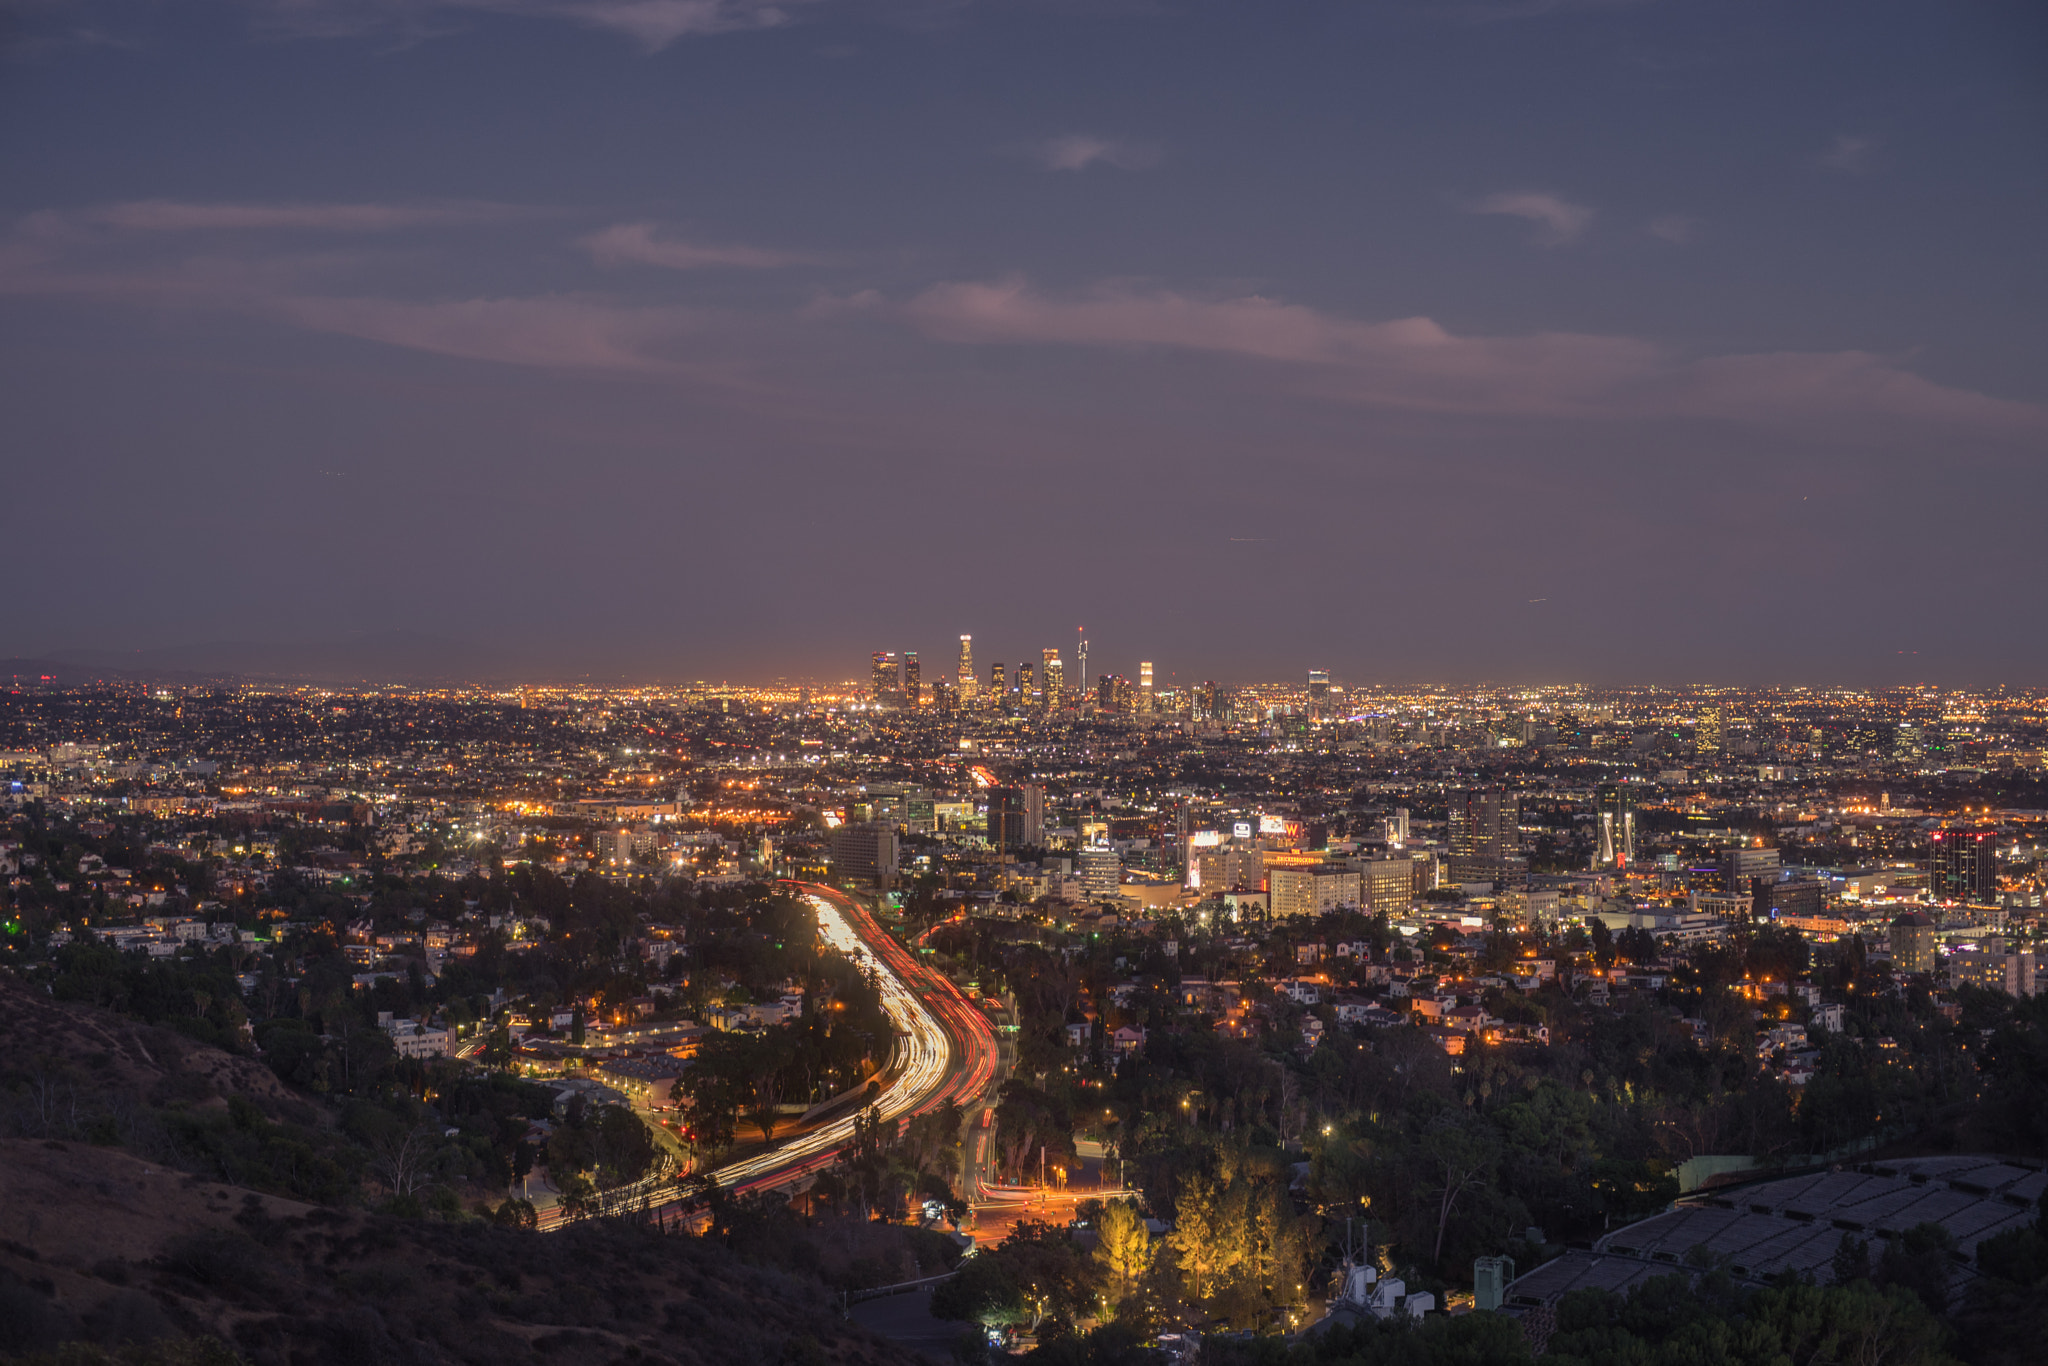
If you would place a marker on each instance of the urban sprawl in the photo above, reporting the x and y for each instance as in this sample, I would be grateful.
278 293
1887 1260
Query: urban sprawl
1123 1003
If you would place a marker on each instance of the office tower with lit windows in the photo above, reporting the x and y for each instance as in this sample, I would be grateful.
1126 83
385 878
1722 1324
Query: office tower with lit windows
1081 661
1318 696
865 852
966 676
1027 687
885 682
1145 688
1615 811
1485 836
1707 733
1962 865
1113 695
1054 681
1749 871
913 680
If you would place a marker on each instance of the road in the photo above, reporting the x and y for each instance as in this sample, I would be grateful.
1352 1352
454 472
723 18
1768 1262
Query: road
947 1050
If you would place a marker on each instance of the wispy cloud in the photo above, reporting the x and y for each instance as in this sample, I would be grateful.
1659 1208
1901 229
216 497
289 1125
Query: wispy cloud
636 244
1079 151
556 332
1417 364
1557 220
653 24
1676 228
1849 155
166 215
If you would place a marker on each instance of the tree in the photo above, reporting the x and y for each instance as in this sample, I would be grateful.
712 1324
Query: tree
1124 1248
1460 1157
981 1291
401 1159
1208 1238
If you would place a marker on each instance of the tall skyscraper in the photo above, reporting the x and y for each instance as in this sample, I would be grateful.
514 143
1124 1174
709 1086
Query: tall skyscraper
1616 812
1963 866
884 683
1034 813
1027 687
1113 695
1081 660
1486 837
913 680
996 687
1145 688
968 681
1055 681
1318 696
1006 818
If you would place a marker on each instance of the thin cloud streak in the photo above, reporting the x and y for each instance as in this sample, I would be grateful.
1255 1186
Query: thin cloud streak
653 24
1416 364
167 215
1849 155
1079 151
1558 221
554 332
1676 228
635 244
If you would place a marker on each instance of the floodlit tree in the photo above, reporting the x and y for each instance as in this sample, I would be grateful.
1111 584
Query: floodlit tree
1123 1249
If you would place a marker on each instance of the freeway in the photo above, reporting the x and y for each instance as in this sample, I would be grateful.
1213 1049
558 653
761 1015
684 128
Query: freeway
946 1048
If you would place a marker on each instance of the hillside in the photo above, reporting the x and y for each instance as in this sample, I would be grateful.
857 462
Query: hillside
115 1227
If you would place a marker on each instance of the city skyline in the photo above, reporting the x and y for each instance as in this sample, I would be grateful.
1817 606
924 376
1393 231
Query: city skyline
1652 341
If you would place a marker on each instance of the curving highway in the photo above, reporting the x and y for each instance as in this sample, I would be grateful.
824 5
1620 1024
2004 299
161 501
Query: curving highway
946 1049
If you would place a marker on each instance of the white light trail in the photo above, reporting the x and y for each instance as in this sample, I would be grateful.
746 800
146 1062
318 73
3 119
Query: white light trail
922 1069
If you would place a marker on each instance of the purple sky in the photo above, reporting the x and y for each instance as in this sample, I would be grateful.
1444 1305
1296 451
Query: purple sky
714 338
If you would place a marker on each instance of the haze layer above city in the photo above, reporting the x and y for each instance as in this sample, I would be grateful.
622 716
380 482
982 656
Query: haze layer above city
1540 342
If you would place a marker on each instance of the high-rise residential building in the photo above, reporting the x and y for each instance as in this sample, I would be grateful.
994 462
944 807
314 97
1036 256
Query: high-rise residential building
913 680
1318 696
1912 942
968 682
1145 688
1615 809
1707 733
884 683
1962 865
1054 681
1101 871
1485 836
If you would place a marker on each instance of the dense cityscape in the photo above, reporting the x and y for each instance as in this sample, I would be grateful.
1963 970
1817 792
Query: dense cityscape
1086 1012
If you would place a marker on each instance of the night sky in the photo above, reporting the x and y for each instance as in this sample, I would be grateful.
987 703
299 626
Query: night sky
1514 341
